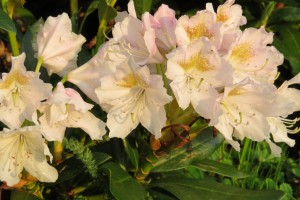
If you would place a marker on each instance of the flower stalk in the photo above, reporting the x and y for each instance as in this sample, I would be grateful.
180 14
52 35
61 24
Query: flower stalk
13 43
57 151
39 64
74 6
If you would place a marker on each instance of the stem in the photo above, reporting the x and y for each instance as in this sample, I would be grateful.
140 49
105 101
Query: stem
266 15
245 149
57 151
39 64
160 68
13 43
100 33
146 166
64 79
74 6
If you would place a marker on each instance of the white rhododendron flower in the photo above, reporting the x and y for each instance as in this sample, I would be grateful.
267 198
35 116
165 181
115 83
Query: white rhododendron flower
242 111
21 93
24 148
87 77
286 103
231 18
129 39
57 45
250 56
134 97
164 24
194 69
66 108
229 14
200 25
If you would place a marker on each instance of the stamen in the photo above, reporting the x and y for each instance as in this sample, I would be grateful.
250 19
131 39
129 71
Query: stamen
241 53
196 61
198 31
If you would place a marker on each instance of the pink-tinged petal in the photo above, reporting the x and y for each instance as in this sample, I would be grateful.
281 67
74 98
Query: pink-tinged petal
164 24
155 56
129 39
62 95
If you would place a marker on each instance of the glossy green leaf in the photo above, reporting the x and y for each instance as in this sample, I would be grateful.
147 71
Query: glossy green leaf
132 153
288 43
22 195
191 189
142 6
121 184
100 157
285 14
200 148
6 22
219 168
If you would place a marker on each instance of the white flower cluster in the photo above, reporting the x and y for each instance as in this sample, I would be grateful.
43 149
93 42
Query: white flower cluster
226 74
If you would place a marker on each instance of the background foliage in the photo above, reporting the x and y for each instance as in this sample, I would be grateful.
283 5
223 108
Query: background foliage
138 168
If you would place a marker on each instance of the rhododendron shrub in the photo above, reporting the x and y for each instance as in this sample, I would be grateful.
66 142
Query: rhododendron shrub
158 82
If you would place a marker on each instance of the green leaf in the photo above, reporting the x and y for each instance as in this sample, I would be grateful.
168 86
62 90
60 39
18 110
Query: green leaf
200 148
142 6
288 43
287 189
285 14
191 189
160 196
100 157
22 195
106 13
296 171
6 22
121 184
270 183
132 153
219 168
